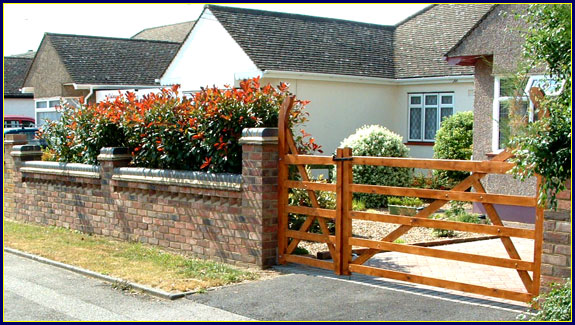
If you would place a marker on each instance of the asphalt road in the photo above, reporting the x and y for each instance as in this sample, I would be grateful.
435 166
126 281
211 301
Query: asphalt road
38 292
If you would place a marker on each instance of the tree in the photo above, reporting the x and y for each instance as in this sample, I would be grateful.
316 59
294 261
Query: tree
544 146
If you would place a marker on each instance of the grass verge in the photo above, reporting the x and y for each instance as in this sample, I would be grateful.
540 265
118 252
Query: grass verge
130 261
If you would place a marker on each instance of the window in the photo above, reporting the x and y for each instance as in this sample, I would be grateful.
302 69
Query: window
47 109
426 111
511 97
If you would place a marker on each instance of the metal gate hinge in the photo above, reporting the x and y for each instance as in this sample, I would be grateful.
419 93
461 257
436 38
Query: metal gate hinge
341 158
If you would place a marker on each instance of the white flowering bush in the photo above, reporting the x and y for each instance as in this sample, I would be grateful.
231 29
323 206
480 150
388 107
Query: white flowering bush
377 141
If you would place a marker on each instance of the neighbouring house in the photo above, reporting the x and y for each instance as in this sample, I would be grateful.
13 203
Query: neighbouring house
170 33
69 67
15 70
353 73
493 47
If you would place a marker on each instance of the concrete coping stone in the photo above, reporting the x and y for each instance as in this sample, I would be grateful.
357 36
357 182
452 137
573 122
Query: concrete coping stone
114 153
60 168
259 136
26 150
222 181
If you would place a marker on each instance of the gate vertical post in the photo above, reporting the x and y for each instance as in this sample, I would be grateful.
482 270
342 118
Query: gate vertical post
339 206
283 175
538 249
347 198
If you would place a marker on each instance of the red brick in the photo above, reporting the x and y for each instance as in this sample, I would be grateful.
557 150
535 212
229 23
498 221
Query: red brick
563 226
564 205
559 260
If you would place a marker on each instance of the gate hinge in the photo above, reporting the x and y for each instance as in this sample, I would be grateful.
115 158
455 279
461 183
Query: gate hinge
341 158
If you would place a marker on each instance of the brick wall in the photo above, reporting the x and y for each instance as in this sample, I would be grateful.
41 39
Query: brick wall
231 218
556 259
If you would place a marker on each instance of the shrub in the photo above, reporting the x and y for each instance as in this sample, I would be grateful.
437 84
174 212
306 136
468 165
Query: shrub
357 205
454 140
405 201
299 197
170 131
376 140
456 212
556 304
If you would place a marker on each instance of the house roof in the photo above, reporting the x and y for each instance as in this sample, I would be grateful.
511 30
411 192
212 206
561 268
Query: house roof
113 61
15 70
298 43
422 40
171 33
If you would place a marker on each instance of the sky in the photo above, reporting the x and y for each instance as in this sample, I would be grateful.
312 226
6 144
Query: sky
25 24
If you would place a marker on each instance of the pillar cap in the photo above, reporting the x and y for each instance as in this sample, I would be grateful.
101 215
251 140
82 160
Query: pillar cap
114 153
26 151
259 136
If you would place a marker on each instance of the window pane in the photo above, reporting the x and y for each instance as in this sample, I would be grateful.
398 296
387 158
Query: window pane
504 129
447 99
44 116
430 122
54 103
71 102
415 123
416 100
430 99
551 87
511 87
446 112
42 104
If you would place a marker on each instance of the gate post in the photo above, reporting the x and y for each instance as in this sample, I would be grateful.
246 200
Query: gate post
343 207
283 176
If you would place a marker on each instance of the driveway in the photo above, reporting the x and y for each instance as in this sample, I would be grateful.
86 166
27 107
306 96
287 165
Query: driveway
309 294
36 291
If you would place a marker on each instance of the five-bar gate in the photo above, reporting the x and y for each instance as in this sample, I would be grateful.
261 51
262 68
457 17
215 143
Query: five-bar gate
341 242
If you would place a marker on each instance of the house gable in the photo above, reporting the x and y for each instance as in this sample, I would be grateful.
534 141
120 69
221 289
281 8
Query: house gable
209 56
171 33
47 74
497 35
421 41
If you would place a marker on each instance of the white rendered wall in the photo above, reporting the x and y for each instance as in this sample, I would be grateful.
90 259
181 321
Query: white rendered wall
19 106
208 57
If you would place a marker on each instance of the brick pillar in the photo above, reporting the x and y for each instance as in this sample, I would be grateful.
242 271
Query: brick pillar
259 189
12 175
109 159
556 259
10 141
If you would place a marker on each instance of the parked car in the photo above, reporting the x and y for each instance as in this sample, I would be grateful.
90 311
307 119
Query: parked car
18 121
31 135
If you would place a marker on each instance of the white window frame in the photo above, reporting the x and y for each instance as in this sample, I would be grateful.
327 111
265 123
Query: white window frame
497 99
423 107
47 109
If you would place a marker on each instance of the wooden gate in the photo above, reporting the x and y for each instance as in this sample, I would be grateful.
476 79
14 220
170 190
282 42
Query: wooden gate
340 242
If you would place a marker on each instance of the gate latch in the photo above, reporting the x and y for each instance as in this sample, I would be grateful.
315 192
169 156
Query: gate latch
341 158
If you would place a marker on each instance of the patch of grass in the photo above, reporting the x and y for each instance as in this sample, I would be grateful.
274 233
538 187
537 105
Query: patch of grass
130 261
